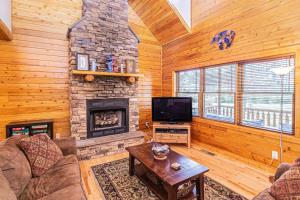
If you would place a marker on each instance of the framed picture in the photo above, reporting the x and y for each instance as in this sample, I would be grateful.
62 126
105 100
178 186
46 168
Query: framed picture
83 62
130 66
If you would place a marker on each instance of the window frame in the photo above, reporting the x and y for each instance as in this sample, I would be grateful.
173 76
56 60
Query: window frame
238 95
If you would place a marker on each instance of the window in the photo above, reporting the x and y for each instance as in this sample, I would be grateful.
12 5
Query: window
219 92
184 8
188 85
247 93
261 95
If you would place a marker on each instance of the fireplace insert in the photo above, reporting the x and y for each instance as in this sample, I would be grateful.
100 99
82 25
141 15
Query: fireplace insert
107 117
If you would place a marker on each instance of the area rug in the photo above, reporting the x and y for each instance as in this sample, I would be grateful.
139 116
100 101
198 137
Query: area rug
116 184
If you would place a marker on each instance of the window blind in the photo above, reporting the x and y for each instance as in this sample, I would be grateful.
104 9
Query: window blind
219 92
188 85
261 95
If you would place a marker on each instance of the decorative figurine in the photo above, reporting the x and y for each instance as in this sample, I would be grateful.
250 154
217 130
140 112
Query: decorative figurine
109 63
94 65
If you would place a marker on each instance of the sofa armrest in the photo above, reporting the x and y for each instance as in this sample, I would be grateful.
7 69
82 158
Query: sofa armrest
282 168
264 195
67 145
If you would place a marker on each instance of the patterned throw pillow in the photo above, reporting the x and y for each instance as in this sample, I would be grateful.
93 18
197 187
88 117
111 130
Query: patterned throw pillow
41 152
288 185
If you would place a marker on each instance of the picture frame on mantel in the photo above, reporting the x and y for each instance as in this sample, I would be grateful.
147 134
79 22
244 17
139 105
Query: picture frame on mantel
82 61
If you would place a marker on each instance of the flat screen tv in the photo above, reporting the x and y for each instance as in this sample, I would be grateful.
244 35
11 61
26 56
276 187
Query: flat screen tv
172 109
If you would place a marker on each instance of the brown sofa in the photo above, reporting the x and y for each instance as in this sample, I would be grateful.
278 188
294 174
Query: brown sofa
62 181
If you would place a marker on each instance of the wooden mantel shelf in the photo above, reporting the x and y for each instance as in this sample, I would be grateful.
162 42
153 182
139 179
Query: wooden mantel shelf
130 76
82 72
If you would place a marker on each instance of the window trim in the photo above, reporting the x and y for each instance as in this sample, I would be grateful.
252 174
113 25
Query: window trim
238 99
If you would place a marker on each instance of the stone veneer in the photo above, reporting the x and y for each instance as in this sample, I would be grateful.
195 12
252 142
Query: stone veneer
103 30
107 145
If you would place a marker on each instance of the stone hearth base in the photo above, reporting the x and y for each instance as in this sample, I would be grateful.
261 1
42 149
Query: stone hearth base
107 145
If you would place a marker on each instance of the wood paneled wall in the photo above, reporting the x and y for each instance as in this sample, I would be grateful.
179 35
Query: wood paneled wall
263 29
149 65
34 65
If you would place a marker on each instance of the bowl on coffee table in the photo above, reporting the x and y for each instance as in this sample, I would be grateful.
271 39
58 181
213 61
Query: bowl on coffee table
160 151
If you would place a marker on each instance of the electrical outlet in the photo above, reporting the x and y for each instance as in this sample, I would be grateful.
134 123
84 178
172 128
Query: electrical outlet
147 124
275 155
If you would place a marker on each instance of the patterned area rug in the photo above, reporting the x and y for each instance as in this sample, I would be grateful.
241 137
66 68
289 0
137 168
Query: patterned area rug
115 182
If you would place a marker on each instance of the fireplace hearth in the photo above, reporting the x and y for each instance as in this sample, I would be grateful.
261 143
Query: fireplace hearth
107 117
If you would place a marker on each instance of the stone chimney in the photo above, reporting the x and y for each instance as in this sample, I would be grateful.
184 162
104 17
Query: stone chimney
103 30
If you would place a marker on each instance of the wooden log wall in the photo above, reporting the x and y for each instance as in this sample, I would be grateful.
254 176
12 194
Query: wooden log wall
263 29
34 82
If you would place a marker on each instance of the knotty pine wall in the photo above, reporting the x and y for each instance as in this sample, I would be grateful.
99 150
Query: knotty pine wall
34 65
150 54
263 29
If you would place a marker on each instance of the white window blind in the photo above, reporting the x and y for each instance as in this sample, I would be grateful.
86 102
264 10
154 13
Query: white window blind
219 92
261 95
188 85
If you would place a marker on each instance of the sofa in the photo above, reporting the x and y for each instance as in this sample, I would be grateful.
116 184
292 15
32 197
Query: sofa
285 183
61 181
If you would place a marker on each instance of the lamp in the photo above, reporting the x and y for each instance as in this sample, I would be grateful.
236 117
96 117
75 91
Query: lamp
281 71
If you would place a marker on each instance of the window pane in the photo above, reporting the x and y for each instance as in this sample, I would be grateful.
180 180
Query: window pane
195 100
220 79
219 106
261 103
188 85
188 81
220 83
258 76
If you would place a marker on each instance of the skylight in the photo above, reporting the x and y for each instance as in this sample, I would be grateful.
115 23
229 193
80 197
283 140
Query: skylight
184 9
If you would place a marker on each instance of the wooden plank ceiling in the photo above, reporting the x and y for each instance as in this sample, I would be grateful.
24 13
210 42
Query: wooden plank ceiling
162 20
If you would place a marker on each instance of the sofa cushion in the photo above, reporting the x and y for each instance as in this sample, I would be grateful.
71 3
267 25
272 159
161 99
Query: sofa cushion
41 152
73 192
63 174
14 165
264 195
288 185
6 193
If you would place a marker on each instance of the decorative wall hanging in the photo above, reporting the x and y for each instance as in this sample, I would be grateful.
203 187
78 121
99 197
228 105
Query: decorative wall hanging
223 38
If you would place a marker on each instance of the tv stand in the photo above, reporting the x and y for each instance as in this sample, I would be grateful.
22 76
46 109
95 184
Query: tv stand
172 123
165 132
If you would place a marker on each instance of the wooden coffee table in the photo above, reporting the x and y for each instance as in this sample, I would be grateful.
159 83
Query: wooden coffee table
167 180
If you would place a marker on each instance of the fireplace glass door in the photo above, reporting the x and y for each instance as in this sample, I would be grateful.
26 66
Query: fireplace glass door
107 119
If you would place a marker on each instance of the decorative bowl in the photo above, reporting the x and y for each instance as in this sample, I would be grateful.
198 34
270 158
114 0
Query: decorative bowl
160 151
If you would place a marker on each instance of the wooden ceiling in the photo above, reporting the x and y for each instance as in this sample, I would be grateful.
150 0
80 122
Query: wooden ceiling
162 20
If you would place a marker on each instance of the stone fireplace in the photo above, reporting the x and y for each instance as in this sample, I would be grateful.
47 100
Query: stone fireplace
104 112
107 117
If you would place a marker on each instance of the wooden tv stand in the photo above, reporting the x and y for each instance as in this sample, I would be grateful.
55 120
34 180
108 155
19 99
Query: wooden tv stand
172 133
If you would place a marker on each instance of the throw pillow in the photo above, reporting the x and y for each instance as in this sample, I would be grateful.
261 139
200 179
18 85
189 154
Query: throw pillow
41 152
288 185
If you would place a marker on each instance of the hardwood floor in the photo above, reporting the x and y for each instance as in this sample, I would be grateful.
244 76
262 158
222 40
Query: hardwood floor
227 169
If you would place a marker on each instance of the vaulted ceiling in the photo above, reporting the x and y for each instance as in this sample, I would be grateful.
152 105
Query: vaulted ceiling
161 18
